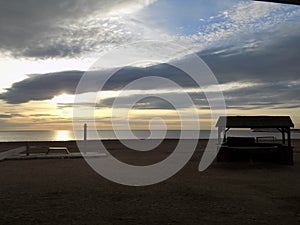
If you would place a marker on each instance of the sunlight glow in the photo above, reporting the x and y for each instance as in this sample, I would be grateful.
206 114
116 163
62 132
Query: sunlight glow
63 98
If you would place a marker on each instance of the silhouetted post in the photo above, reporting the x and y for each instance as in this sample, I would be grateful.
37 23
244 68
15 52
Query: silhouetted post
85 133
27 149
85 136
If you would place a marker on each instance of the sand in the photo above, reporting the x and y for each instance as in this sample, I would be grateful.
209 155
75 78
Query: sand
68 191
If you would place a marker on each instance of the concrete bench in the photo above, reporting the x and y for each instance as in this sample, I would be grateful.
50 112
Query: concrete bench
57 149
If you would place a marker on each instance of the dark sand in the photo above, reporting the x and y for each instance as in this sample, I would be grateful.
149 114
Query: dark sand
68 191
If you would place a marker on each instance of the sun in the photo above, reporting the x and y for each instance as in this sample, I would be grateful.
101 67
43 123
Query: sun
62 99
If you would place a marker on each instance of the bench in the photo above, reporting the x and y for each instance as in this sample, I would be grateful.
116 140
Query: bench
246 149
57 149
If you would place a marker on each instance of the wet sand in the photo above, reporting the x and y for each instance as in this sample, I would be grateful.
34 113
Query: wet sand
68 191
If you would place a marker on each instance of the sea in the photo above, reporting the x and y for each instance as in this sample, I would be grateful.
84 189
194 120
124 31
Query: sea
68 135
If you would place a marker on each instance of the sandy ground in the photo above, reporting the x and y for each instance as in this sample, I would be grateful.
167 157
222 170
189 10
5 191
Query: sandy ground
68 191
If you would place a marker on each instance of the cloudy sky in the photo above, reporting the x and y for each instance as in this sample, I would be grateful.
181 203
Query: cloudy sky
46 46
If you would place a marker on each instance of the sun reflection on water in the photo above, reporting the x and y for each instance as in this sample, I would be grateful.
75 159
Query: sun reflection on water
63 135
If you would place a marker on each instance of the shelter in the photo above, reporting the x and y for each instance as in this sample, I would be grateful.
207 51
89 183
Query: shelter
283 153
282 123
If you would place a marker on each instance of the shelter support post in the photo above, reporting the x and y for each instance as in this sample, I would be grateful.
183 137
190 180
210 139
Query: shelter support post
283 135
289 136
220 131
225 133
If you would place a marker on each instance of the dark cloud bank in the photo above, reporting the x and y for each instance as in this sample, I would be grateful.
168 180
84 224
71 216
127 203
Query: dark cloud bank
42 87
55 29
46 86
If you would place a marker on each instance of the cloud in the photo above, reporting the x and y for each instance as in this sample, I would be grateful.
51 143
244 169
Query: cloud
269 64
240 22
269 67
9 116
41 115
42 87
149 102
76 28
63 28
46 86
271 60
5 116
281 95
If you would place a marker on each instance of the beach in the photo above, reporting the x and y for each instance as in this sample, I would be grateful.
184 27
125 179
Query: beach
68 191
204 93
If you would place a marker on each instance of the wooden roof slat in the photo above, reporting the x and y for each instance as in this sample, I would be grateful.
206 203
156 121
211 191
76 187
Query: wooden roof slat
294 2
255 122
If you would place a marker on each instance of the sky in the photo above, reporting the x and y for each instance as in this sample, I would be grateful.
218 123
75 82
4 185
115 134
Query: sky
46 46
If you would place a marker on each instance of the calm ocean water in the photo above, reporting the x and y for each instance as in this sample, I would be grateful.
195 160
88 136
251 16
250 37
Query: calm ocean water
65 135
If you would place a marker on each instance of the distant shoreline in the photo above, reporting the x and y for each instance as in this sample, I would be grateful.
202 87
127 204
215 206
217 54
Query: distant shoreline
66 135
